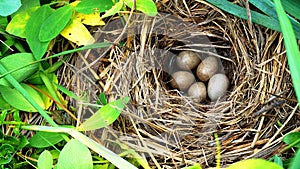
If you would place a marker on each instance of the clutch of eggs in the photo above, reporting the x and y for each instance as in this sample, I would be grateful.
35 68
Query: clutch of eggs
207 70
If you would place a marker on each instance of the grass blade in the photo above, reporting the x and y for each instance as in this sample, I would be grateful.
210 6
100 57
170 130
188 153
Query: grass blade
291 46
261 19
292 7
269 9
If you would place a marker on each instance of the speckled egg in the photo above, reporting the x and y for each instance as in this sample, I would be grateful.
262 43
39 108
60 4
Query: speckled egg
187 60
182 80
197 91
207 68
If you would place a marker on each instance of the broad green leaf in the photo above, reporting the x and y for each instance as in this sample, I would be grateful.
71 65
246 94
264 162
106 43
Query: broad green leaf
8 7
22 142
254 164
292 138
32 30
45 160
6 151
18 23
34 94
94 146
45 139
26 4
17 100
105 115
25 94
148 7
90 6
3 104
291 46
47 101
3 22
113 10
18 61
75 155
78 33
55 23
296 161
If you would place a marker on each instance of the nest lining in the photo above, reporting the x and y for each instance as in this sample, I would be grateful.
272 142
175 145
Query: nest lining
164 125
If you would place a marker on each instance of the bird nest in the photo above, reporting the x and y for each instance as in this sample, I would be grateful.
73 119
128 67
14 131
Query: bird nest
163 124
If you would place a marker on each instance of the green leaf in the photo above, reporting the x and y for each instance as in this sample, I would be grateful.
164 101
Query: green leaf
26 4
45 160
254 164
17 85
32 28
45 139
47 101
55 23
6 152
291 46
102 99
68 92
8 7
296 161
268 8
264 20
3 22
22 142
114 9
292 138
18 61
148 7
18 23
3 104
105 115
278 160
90 6
292 7
51 87
17 100
75 155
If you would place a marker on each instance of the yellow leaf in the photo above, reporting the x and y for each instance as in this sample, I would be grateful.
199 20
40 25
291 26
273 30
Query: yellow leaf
75 3
77 33
92 19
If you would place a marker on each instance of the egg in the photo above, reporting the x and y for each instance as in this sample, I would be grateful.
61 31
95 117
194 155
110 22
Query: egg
217 86
182 80
207 68
197 91
187 60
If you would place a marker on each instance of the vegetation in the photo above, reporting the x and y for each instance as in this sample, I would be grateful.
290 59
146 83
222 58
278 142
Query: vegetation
28 80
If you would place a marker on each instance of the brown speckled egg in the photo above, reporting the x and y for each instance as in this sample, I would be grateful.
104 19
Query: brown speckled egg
187 60
182 80
207 68
197 91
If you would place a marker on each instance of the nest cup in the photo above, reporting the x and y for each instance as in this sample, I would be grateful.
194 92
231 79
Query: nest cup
163 124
